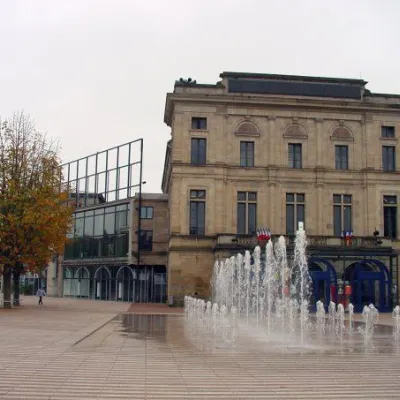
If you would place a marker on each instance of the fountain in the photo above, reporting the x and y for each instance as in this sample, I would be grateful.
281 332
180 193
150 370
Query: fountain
396 317
370 317
264 297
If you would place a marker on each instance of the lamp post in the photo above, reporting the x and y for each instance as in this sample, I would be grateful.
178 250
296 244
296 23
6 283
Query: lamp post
139 217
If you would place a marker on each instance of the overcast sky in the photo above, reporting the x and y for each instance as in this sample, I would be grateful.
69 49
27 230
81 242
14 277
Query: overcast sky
95 73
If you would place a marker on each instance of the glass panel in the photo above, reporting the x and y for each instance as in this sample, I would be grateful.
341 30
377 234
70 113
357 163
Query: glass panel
122 245
194 151
109 224
290 219
199 123
112 180
241 218
337 198
390 222
300 214
99 225
101 161
69 250
291 156
337 220
252 222
112 158
109 246
89 224
252 196
300 197
250 154
290 197
297 154
91 165
72 170
347 198
388 158
96 247
123 155
388 132
347 218
79 227
192 218
121 220
389 199
82 168
202 151
123 177
121 207
201 217
241 196
101 183
243 154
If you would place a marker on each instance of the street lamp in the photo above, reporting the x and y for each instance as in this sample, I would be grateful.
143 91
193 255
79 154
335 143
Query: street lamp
139 220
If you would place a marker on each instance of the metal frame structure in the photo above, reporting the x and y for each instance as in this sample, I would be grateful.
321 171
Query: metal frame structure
105 176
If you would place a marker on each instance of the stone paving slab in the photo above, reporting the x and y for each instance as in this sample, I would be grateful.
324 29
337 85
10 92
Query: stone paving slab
83 349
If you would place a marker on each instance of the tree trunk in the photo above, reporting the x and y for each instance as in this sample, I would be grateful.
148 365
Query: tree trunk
16 275
7 286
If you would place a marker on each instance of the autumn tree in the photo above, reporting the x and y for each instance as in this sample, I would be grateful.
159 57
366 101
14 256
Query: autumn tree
34 215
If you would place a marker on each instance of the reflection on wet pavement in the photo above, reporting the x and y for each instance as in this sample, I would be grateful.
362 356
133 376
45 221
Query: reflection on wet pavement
159 356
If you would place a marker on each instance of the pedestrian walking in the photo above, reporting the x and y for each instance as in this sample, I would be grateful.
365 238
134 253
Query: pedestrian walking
40 293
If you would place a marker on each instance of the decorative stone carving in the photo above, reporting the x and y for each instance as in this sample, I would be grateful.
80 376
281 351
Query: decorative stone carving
295 131
341 133
247 128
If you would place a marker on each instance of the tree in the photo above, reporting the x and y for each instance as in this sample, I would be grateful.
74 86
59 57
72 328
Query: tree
34 211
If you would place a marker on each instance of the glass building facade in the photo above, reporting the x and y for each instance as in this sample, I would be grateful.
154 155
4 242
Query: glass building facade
100 232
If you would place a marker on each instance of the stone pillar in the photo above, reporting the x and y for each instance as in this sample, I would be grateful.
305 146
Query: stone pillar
319 141
272 142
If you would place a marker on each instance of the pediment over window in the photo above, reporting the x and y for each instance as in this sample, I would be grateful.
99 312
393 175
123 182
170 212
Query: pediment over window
295 131
247 128
341 133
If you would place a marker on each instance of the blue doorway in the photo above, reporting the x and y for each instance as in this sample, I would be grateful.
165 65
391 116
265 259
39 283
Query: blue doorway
324 278
371 284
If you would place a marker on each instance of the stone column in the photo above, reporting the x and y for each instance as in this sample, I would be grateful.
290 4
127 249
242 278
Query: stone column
319 141
272 142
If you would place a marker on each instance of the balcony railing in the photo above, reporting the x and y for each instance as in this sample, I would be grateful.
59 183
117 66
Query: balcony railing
312 240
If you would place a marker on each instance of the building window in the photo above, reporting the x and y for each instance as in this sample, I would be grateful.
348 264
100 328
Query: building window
146 240
103 232
146 213
342 157
199 123
388 132
342 220
247 154
295 211
390 216
197 212
295 155
198 151
246 213
389 158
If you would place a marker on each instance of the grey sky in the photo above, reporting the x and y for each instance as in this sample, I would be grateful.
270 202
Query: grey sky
95 73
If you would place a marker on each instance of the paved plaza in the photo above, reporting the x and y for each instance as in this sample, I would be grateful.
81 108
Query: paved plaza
83 349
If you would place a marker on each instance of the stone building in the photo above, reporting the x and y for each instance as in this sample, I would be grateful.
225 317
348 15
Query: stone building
261 150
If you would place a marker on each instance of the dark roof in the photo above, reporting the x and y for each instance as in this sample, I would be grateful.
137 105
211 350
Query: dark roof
297 88
277 77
